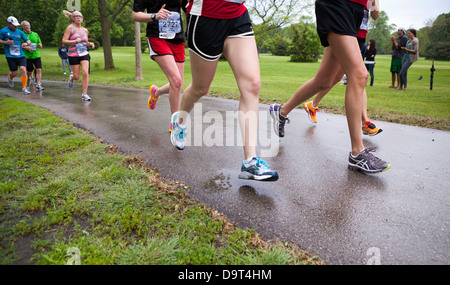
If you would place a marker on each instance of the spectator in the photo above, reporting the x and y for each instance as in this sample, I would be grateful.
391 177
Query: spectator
411 55
370 59
397 56
62 52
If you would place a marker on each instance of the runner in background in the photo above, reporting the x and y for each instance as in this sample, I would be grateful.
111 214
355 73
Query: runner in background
11 37
33 55
76 38
165 39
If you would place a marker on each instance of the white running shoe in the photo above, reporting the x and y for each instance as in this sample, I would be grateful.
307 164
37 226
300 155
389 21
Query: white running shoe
85 97
25 91
177 136
71 81
10 82
39 87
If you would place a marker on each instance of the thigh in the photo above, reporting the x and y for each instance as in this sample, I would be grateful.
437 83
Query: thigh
168 65
202 71
84 66
346 51
242 55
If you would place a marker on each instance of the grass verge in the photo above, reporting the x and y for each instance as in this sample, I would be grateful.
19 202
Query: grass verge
62 189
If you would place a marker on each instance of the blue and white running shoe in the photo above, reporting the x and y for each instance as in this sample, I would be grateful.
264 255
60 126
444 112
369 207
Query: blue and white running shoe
257 169
177 136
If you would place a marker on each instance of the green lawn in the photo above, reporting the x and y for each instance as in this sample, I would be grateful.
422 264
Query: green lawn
61 188
280 78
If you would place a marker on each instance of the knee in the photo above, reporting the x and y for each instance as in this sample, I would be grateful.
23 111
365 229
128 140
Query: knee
176 83
251 87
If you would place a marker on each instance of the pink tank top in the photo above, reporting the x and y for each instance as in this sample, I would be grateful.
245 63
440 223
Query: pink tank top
79 49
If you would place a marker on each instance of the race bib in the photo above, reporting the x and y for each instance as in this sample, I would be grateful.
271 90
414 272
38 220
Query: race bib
14 49
170 27
236 1
82 49
33 46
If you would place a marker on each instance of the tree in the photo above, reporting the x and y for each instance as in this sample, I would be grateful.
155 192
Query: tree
439 38
269 15
306 46
107 16
137 50
380 30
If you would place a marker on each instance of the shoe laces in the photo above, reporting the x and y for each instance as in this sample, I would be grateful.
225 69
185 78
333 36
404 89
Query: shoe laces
262 163
284 120
367 151
179 132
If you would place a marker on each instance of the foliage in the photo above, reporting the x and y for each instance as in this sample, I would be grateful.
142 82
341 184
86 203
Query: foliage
380 30
305 46
437 38
277 45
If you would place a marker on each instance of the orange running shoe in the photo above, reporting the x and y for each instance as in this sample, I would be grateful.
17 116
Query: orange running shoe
370 129
153 98
311 111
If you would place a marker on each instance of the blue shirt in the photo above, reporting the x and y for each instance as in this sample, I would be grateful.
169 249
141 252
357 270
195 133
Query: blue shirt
15 50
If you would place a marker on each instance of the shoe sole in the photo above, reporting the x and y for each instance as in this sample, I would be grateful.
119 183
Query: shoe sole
249 176
357 168
152 106
371 135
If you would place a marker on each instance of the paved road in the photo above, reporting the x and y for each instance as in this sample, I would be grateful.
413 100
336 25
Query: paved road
398 217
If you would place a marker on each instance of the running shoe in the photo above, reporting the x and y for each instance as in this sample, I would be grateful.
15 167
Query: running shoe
278 120
170 128
177 136
311 110
39 87
370 129
71 81
85 97
25 91
153 98
367 162
10 82
257 169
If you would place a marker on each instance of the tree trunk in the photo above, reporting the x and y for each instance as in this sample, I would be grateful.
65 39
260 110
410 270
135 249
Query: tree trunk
106 23
137 50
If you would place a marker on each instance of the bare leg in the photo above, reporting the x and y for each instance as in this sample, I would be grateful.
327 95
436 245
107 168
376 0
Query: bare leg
85 72
345 49
202 76
245 66
174 72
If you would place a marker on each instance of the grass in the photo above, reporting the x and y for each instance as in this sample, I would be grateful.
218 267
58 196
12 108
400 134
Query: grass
61 188
417 106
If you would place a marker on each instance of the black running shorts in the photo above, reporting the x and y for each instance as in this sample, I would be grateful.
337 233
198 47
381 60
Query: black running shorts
75 60
343 17
206 36
33 63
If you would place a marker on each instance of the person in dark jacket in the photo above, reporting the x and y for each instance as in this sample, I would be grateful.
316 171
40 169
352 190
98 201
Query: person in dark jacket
62 52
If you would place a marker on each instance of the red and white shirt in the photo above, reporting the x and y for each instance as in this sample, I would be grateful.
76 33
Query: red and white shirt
362 2
218 9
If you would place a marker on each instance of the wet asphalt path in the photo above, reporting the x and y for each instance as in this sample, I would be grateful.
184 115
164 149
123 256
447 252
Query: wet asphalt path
397 217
